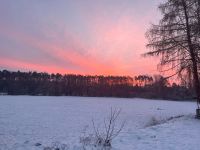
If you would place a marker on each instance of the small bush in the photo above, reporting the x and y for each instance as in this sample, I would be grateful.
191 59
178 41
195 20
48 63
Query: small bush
57 146
102 138
153 122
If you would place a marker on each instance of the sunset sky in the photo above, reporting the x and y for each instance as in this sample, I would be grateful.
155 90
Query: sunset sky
104 37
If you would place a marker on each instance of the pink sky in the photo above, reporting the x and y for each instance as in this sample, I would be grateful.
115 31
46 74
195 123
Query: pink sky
82 37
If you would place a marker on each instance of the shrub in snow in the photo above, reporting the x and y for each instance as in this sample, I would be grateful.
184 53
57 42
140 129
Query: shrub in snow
110 131
87 141
102 138
57 146
92 142
153 122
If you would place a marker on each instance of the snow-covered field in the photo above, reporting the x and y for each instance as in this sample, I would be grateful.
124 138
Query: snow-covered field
27 121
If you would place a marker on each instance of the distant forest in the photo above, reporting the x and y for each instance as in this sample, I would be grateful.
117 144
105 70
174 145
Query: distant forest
142 86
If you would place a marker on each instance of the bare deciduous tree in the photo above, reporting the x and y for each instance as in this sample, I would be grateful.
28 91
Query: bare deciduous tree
177 39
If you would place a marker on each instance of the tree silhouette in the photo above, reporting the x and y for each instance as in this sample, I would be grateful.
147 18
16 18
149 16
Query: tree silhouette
176 38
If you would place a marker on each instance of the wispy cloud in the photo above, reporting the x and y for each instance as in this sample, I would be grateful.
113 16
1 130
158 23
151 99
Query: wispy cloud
106 37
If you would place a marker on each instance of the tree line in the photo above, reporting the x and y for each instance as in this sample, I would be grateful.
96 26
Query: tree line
44 84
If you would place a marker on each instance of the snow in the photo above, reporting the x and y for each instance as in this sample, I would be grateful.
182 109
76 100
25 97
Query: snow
26 121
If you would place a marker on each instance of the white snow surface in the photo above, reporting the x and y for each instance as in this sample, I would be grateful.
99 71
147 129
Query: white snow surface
27 120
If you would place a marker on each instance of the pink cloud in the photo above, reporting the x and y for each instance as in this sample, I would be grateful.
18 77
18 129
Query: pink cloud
86 64
115 49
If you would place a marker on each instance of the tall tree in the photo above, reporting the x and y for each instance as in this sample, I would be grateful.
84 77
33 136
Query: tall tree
176 38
